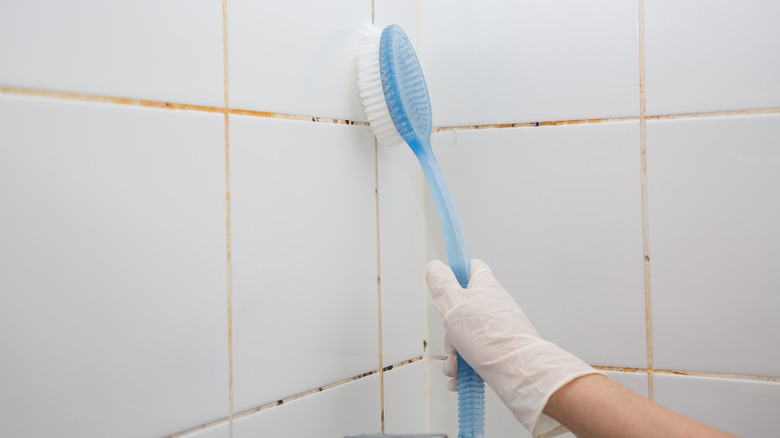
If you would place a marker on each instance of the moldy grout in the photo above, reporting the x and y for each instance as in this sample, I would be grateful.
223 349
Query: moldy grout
282 401
643 188
81 97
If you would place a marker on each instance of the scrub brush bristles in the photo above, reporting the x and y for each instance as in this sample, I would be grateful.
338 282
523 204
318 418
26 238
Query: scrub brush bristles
370 87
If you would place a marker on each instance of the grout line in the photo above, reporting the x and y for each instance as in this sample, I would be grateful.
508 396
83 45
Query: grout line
752 112
93 98
64 95
645 226
726 376
325 387
719 375
228 237
280 402
379 291
535 124
199 428
373 18
298 117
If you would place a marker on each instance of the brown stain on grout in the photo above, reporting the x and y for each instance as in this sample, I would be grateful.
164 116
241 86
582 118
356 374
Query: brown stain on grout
228 233
735 113
81 97
643 188
199 428
535 124
64 95
324 388
379 290
298 117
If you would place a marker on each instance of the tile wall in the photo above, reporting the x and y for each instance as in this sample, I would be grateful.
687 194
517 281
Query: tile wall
199 237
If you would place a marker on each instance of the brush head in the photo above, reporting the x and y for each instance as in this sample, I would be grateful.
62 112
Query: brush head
392 86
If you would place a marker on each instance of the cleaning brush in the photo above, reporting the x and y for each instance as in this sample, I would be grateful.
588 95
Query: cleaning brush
396 102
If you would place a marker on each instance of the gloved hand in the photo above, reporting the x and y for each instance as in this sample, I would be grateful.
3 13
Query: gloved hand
490 331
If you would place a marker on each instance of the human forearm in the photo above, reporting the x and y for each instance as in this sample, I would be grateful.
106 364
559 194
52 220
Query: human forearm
596 407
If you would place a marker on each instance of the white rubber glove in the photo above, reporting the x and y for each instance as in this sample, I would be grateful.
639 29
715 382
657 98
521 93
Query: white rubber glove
490 331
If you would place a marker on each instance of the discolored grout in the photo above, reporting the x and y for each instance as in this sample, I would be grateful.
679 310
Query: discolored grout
81 97
325 387
735 113
535 124
282 401
379 290
228 235
643 186
297 117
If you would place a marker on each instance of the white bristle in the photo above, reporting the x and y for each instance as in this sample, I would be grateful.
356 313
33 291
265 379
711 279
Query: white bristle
370 87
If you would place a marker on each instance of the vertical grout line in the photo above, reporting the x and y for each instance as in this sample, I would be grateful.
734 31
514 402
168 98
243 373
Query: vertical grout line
379 292
424 253
645 227
227 213
373 11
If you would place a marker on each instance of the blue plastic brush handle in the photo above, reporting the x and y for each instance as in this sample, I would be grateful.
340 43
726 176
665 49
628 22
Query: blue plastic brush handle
471 387
409 105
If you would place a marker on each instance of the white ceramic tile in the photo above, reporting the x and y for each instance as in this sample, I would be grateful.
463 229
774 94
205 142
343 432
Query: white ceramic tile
303 222
636 382
500 61
722 57
218 431
556 213
402 240
712 191
404 392
499 420
346 410
404 13
158 50
744 408
296 57
113 269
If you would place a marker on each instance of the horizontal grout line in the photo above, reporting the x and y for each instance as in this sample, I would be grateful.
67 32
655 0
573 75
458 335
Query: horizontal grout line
690 373
301 118
673 372
752 112
200 428
64 95
173 106
535 124
294 397
322 388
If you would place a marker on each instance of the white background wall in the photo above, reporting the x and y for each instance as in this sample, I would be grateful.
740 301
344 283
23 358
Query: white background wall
198 236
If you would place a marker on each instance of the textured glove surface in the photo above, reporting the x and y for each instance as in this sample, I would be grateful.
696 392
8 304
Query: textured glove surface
490 331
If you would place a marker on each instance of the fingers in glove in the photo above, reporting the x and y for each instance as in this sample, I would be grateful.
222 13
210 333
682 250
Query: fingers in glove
444 287
450 366
480 276
452 385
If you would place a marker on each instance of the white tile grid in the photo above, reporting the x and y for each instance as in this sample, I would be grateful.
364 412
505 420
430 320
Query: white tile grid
401 207
712 186
165 50
349 409
499 61
744 408
287 60
404 393
723 57
113 267
303 224
559 222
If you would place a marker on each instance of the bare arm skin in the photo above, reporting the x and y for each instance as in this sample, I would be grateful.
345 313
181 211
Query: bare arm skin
596 407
